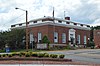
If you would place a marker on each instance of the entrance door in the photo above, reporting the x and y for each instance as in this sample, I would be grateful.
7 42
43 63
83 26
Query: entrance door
72 36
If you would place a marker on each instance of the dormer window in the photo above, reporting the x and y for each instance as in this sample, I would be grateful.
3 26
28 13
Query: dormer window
75 23
88 26
59 21
67 22
35 22
81 24
20 24
12 25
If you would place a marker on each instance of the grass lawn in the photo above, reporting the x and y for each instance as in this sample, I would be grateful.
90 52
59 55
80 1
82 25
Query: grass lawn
22 50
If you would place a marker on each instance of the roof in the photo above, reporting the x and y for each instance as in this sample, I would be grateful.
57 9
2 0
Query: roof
51 20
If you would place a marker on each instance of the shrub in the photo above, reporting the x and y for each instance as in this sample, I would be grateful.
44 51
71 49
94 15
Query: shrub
90 44
27 55
13 54
68 47
45 40
61 56
34 55
22 53
9 55
3 55
53 56
30 53
40 54
46 55
0 55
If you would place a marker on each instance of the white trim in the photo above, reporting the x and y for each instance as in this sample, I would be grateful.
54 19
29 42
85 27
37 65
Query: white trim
56 24
31 38
55 37
72 34
85 39
39 36
63 37
78 39
40 23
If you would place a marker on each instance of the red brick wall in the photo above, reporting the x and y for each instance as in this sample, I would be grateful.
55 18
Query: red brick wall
49 31
97 37
83 33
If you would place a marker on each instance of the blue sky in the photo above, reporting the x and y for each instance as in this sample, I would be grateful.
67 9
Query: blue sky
82 11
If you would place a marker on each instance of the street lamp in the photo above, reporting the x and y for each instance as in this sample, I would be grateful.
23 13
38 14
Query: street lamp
26 26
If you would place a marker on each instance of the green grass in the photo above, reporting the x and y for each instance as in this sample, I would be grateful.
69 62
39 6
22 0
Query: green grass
1 51
22 50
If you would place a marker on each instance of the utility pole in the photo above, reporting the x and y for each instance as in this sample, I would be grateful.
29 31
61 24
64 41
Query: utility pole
26 26
26 30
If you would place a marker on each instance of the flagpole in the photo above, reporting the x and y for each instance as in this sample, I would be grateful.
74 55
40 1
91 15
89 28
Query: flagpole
53 14
53 24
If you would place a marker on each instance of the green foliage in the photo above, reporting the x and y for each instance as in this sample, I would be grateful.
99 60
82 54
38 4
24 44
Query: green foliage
12 38
3 55
53 55
22 53
34 55
45 40
61 56
27 55
97 27
90 44
68 47
40 54
0 55
46 55
9 55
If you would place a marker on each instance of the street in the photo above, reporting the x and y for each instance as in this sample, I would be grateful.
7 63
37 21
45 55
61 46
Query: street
81 55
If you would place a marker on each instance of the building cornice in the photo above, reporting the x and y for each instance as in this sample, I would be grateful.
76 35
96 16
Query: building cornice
52 21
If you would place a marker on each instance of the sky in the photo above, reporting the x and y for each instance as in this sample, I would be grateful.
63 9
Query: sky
81 11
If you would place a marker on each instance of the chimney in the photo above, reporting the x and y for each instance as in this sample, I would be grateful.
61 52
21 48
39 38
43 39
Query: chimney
67 18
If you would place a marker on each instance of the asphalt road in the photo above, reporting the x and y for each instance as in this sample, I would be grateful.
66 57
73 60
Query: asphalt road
81 55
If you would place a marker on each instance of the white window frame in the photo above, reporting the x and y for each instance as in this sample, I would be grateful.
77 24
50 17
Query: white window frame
31 38
78 39
63 37
85 39
55 37
39 36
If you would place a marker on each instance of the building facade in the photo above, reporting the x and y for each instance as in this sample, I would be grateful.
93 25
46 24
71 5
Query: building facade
58 31
97 37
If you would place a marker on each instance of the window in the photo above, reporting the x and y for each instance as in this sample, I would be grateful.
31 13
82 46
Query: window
55 37
63 37
31 38
39 37
84 39
60 21
78 39
35 22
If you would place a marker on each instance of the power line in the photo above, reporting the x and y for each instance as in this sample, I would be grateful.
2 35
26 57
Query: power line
12 20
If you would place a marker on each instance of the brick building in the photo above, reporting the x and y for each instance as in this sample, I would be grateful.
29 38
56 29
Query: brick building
58 31
97 37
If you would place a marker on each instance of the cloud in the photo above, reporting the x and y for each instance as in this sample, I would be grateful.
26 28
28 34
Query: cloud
96 22
82 11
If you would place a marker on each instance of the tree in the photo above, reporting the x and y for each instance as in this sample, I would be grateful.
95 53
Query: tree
12 38
97 27
45 40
